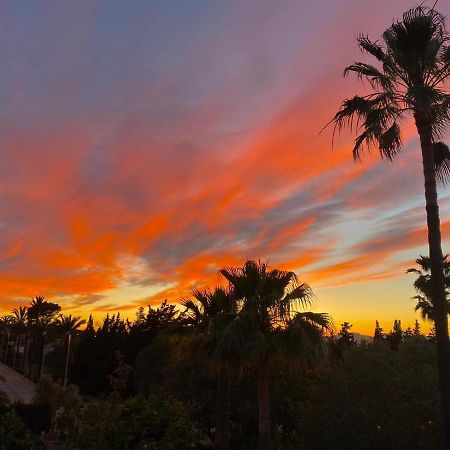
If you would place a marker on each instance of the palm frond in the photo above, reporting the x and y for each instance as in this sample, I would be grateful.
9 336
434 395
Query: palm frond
442 162
303 339
371 47
322 320
370 73
352 110
301 295
390 142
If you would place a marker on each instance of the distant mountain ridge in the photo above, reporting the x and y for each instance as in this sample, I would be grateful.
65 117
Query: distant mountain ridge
362 337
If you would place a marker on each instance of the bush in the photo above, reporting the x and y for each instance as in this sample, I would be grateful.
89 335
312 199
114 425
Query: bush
156 422
14 435
376 398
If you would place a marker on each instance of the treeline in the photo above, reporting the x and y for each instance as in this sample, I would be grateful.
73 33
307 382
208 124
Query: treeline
229 362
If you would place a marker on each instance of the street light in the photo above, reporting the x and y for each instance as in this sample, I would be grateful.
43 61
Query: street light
25 353
7 347
69 338
44 335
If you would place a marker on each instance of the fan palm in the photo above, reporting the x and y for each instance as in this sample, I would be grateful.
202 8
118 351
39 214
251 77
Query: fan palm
209 313
423 285
267 323
409 78
68 324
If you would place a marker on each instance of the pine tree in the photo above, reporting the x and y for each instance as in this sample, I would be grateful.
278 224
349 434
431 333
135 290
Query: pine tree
408 332
395 337
416 331
90 330
345 337
378 334
140 315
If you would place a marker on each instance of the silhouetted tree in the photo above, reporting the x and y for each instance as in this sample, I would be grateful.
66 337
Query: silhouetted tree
19 323
378 334
412 74
267 321
408 333
67 326
95 356
416 331
345 336
210 313
40 315
89 330
395 337
423 285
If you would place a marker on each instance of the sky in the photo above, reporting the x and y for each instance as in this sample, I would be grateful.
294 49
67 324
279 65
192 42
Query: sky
146 144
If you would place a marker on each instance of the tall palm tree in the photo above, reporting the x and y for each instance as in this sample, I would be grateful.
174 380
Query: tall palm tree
409 78
209 313
422 284
67 326
267 322
19 324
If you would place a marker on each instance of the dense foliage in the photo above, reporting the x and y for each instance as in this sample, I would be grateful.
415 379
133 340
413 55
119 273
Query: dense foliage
377 393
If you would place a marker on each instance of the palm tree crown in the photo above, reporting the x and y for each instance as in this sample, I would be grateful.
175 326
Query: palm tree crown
41 312
209 313
423 286
413 65
68 324
269 298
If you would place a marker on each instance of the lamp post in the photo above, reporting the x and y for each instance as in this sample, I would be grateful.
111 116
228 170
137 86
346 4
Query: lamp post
16 349
41 372
25 353
69 338
1 345
7 347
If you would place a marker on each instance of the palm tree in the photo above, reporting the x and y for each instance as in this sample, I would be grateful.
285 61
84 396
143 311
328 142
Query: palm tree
423 285
267 323
41 312
40 315
413 65
68 325
5 328
19 323
209 313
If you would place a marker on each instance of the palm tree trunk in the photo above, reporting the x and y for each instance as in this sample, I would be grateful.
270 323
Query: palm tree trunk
222 437
265 433
438 295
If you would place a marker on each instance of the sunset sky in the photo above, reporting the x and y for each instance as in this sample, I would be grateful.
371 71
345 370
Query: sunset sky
146 144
